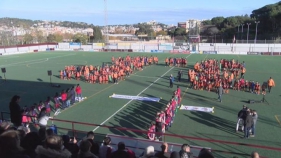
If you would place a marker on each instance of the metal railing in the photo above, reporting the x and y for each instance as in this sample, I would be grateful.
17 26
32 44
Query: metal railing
74 132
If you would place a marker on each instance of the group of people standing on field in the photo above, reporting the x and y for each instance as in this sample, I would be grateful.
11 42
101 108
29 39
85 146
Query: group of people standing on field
178 62
164 119
120 67
247 120
40 112
210 74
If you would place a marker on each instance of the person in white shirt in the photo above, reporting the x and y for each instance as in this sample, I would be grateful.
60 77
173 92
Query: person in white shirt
43 118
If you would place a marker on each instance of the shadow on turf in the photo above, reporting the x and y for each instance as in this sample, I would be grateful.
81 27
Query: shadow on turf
214 122
30 91
137 116
162 89
205 100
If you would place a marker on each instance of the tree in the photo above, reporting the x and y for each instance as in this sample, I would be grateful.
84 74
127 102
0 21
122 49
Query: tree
212 30
269 17
55 38
97 34
39 36
180 31
217 20
58 37
144 29
162 33
67 37
51 38
207 22
80 38
28 38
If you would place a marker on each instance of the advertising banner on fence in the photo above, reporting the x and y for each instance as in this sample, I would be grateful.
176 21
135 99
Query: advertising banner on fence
111 44
98 44
210 52
78 49
180 51
254 53
74 44
156 51
166 44
265 53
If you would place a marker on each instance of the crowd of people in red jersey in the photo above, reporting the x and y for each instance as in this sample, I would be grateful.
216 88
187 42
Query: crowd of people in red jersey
164 119
120 67
60 101
210 73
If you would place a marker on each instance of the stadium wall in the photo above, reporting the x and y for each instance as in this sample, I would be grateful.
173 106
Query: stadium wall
20 49
175 48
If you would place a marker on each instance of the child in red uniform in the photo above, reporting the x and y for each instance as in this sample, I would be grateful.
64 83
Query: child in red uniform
48 106
168 118
78 91
151 131
56 100
25 119
257 88
63 99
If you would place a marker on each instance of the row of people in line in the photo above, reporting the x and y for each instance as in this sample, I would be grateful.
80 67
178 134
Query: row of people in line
164 119
178 62
144 59
121 67
63 100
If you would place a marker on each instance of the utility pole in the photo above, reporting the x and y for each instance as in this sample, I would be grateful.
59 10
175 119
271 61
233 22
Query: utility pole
256 36
242 25
248 31
238 32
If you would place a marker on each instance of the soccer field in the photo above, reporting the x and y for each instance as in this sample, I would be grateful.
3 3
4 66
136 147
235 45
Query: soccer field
27 76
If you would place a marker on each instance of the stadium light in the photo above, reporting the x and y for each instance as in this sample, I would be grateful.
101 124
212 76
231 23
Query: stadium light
248 31
242 25
257 23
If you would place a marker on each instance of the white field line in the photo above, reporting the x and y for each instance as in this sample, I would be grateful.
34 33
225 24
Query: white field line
38 62
32 61
132 99
142 76
9 57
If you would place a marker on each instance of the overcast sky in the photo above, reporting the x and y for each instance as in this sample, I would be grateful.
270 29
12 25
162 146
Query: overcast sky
127 11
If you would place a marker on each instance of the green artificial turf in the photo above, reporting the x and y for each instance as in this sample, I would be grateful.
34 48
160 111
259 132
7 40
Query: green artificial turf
27 76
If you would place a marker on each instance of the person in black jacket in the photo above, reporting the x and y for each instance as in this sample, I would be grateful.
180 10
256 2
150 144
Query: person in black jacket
185 151
120 152
248 124
241 117
15 111
179 75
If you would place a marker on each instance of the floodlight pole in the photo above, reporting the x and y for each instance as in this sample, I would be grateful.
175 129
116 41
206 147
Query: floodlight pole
248 31
242 25
257 23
